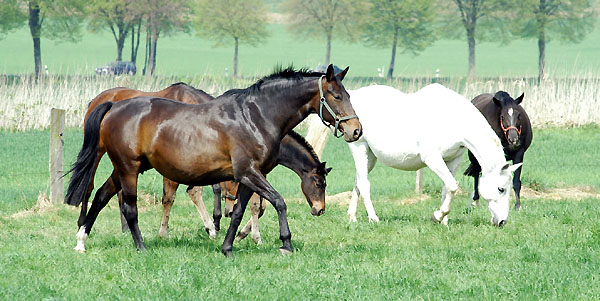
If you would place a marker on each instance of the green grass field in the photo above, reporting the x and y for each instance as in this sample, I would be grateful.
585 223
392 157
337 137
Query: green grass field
548 250
188 55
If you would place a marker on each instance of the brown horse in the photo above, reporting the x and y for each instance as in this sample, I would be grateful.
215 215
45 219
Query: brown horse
234 138
509 120
187 94
296 154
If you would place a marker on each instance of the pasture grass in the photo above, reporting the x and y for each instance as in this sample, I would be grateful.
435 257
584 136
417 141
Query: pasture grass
186 54
548 250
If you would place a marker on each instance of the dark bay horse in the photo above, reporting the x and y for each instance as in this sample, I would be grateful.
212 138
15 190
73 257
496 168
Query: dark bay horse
187 94
312 175
298 155
234 138
510 122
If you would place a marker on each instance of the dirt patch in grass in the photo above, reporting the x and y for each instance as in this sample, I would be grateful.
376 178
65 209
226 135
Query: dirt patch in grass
43 204
343 198
576 193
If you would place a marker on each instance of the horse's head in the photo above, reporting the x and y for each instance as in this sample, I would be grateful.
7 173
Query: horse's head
334 106
510 117
229 189
495 187
313 187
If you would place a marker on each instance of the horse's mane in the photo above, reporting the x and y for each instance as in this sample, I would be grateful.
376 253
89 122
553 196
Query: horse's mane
190 87
286 74
300 139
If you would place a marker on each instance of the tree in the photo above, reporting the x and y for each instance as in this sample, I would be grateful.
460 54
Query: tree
115 15
407 24
328 18
11 16
567 21
237 21
161 17
491 17
53 19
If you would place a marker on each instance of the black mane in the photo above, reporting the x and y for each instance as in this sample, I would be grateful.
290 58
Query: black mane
504 97
300 139
280 73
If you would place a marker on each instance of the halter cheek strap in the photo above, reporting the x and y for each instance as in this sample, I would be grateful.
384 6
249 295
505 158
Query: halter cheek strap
505 130
336 117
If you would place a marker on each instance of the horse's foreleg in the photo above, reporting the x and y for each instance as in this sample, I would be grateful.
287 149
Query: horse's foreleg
195 193
446 173
129 209
364 161
517 178
252 225
124 226
217 206
169 192
103 195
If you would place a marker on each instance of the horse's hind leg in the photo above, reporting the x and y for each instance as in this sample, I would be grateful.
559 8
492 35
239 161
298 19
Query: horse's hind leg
129 209
446 173
195 193
364 161
517 178
103 195
169 191
217 206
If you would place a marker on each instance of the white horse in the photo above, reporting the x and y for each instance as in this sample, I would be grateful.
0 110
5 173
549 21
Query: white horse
431 127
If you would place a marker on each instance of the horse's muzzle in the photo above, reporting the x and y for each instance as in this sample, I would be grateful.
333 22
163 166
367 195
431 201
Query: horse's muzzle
317 211
352 130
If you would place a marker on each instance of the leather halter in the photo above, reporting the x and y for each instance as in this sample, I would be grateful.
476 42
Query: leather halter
505 130
336 117
227 195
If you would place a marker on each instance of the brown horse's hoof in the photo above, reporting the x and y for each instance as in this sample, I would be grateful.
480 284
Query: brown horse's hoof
517 207
285 252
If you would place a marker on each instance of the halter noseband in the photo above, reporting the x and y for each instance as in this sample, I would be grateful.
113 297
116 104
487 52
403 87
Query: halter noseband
227 195
505 130
336 117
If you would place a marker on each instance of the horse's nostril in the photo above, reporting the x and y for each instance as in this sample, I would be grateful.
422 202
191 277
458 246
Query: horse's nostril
357 133
502 223
321 211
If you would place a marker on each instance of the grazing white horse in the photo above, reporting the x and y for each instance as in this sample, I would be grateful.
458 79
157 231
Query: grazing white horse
431 127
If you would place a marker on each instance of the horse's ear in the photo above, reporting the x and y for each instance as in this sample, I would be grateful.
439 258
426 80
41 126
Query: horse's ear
342 74
329 75
511 168
520 98
328 170
497 101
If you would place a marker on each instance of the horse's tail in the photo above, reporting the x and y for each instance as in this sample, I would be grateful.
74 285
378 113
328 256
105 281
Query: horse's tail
83 168
471 170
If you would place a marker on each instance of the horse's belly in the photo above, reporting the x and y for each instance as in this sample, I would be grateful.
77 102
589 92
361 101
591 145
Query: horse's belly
399 158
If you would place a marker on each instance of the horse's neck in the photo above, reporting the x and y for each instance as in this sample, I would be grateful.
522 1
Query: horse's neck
287 107
486 147
296 157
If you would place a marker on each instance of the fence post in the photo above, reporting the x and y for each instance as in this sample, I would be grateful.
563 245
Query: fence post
57 145
419 181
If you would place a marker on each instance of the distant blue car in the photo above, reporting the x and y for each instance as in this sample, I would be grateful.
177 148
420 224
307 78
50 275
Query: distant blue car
117 68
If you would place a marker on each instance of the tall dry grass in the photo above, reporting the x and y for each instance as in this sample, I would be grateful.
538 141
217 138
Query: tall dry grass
25 101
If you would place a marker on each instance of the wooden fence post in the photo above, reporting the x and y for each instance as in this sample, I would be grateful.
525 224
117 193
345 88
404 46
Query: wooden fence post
419 181
57 145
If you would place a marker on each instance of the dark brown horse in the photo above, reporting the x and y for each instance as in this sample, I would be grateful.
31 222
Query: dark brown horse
235 137
311 173
510 122
187 94
296 154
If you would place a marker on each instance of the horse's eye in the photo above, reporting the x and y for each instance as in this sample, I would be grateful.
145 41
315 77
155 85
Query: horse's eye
501 190
337 97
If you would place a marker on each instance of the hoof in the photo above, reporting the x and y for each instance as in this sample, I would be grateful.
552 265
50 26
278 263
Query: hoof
258 241
373 219
80 249
352 218
240 236
285 252
228 254
517 207
163 234
437 216
212 234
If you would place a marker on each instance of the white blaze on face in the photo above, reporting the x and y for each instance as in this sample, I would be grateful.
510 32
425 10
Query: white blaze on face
510 114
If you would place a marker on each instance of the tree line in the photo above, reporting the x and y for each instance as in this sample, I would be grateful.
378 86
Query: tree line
406 25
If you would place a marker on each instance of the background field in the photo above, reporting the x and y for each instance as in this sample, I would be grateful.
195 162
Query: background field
188 55
550 249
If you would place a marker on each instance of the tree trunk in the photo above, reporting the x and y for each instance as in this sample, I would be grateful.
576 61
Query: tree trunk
147 51
235 58
35 26
471 40
390 74
542 52
135 43
152 57
328 51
